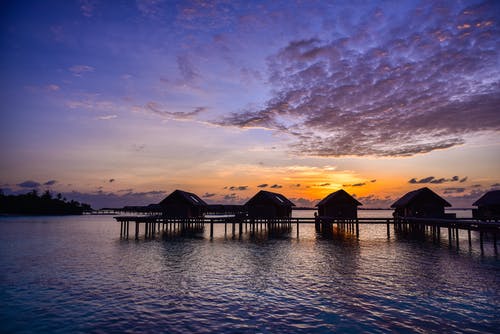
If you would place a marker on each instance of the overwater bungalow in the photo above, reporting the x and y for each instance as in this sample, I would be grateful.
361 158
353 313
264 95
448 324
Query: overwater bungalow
266 204
421 203
183 204
339 205
488 206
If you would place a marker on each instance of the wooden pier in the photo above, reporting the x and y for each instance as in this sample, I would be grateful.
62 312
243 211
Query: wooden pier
238 225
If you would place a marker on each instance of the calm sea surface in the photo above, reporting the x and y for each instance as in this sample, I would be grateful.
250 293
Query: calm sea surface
74 274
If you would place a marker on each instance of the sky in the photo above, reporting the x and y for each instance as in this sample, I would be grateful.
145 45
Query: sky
121 102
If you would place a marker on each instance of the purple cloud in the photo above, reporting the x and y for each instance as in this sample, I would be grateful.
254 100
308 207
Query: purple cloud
454 190
106 117
79 70
128 190
276 186
149 8
50 183
29 184
386 89
304 202
158 110
374 201
87 7
263 185
231 197
464 199
188 71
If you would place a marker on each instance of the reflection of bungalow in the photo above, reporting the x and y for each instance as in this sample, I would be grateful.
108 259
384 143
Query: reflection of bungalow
266 204
488 206
183 205
422 203
339 205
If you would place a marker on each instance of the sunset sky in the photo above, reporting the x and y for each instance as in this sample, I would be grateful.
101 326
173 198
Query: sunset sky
121 102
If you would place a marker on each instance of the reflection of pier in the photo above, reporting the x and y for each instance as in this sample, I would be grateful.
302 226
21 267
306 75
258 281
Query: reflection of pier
433 226
239 225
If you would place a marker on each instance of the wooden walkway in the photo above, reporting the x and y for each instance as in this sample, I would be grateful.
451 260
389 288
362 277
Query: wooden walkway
412 226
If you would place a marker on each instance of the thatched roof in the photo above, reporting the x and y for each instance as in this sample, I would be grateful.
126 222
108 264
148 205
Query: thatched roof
419 195
188 197
339 196
274 198
490 198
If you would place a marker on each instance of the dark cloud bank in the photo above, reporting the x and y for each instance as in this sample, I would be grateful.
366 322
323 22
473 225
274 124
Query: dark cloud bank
236 188
435 180
33 184
393 86
102 199
29 184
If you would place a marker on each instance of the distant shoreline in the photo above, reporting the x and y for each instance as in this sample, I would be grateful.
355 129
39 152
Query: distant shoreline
32 204
39 214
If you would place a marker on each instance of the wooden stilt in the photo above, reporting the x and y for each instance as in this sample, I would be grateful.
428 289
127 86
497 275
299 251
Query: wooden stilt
481 241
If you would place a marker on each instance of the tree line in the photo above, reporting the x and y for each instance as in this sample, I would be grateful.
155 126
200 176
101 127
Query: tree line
45 204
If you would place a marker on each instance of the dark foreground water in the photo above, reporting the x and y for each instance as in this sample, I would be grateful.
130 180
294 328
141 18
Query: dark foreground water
74 274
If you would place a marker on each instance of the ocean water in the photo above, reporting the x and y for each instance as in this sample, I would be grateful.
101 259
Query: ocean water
75 275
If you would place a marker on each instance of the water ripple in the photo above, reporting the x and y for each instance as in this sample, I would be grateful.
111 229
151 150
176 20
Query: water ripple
75 275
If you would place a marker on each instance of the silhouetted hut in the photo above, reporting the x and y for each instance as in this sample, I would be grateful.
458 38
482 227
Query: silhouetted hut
182 204
488 206
422 203
339 205
266 204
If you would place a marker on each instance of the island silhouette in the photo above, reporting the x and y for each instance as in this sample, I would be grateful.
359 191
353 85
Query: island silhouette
45 204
